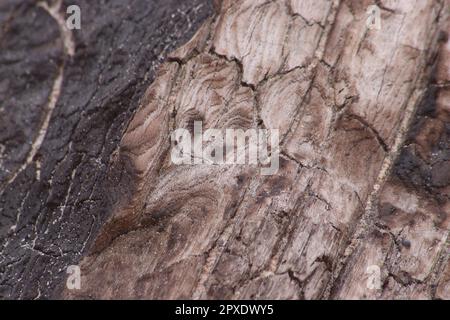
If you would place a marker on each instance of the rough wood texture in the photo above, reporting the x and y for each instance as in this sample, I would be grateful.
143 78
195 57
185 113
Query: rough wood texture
65 99
410 220
347 195
85 170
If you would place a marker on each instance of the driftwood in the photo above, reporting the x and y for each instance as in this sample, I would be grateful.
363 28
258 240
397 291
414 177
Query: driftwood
359 207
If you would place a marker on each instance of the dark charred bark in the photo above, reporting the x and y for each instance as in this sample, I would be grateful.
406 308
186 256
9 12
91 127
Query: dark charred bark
53 193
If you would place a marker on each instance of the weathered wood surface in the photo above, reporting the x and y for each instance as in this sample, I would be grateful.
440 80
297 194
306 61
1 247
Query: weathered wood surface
410 222
65 99
364 180
348 194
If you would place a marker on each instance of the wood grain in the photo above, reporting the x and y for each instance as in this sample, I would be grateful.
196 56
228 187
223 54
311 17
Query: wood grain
344 98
